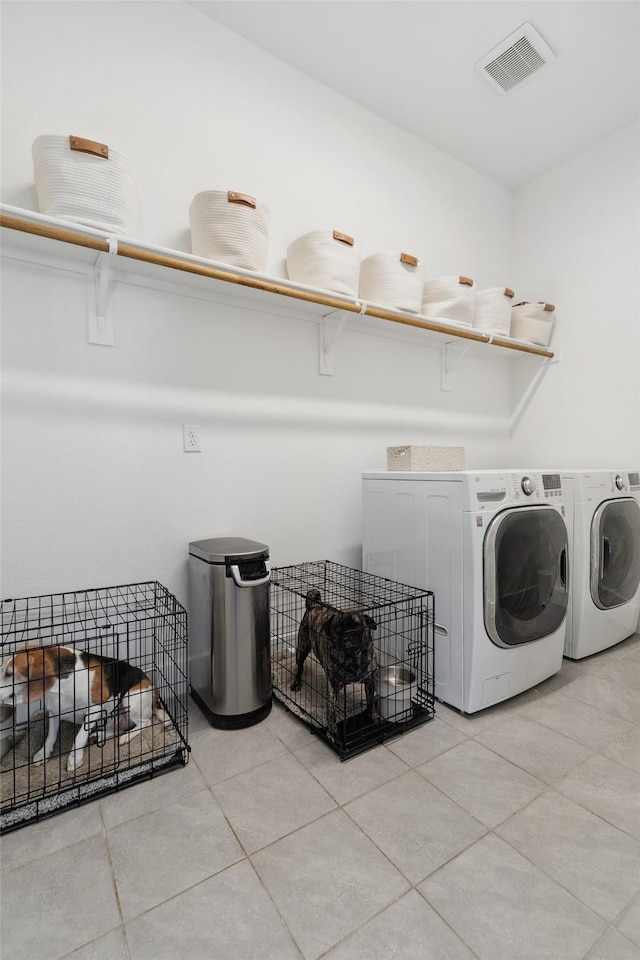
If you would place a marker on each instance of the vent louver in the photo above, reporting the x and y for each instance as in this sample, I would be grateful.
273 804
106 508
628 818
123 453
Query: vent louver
518 57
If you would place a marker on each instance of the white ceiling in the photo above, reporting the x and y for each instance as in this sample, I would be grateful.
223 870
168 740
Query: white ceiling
413 63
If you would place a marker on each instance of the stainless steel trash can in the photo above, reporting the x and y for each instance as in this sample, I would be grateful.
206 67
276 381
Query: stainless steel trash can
229 630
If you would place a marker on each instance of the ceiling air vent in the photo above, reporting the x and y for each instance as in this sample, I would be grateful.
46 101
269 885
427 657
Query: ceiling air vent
516 59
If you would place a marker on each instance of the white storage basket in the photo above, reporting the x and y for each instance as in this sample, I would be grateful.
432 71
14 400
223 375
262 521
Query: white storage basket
425 458
449 298
392 279
326 259
86 182
492 310
533 322
230 227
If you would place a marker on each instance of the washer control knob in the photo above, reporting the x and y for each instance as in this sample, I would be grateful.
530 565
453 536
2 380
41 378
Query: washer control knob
620 482
528 485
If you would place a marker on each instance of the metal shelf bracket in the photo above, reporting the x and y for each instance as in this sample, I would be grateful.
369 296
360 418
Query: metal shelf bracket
527 396
453 352
100 312
331 327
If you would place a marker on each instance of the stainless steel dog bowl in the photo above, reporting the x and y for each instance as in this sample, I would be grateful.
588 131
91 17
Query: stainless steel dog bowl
395 688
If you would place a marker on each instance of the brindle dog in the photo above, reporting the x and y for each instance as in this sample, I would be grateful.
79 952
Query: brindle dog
343 643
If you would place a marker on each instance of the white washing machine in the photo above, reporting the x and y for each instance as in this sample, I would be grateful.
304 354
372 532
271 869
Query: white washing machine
603 520
493 547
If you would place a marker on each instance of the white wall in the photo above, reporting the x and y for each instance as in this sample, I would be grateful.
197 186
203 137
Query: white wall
96 488
577 244
195 107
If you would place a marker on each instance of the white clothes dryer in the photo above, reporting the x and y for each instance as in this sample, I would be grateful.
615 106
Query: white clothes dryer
603 521
493 547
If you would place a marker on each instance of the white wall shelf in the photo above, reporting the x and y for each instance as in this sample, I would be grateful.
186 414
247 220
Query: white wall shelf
32 236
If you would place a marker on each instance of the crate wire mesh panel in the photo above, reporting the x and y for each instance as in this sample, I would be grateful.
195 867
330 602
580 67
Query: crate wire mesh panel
367 644
141 624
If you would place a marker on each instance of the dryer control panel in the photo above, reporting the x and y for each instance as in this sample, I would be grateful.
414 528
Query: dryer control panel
621 484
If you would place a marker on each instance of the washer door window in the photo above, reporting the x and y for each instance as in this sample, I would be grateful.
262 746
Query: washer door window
525 575
615 553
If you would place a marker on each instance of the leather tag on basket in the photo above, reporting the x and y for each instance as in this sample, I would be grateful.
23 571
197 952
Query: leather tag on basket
466 281
549 308
234 197
89 146
407 258
508 292
343 237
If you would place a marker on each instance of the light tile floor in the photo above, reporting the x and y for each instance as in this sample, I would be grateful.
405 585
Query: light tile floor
512 833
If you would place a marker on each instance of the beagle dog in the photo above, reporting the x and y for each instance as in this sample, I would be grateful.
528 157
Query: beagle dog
96 692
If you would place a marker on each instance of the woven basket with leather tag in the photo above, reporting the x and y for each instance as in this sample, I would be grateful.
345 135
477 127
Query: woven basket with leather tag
85 181
230 227
326 259
392 279
492 310
449 298
533 322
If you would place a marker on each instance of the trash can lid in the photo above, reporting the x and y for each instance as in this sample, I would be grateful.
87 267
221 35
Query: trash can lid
226 549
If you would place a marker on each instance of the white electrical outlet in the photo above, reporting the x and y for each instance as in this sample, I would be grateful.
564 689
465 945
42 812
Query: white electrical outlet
191 438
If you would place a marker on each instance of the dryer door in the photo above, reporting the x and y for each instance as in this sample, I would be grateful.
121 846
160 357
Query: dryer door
615 552
525 575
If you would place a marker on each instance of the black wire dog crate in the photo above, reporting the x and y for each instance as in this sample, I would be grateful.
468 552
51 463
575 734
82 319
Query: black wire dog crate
352 653
137 627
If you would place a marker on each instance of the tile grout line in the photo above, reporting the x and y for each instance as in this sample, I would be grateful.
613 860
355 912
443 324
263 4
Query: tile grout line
123 927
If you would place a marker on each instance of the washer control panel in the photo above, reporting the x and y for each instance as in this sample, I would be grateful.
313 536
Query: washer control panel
552 485
536 486
492 489
516 487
